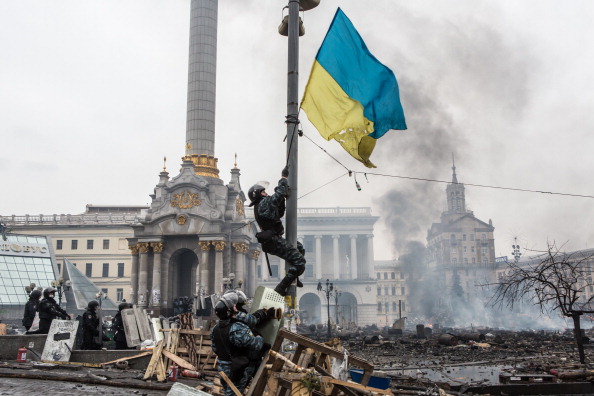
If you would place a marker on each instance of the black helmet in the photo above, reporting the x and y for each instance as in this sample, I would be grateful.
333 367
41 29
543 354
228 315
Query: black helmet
35 294
48 291
222 311
93 304
255 193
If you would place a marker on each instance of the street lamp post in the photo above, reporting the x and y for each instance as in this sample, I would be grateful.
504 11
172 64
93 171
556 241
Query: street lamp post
337 294
61 286
328 290
516 252
100 297
29 289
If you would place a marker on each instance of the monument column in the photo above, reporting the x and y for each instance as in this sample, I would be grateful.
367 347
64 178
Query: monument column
370 264
241 249
254 254
134 274
264 268
156 289
335 256
143 274
203 266
318 239
218 267
354 274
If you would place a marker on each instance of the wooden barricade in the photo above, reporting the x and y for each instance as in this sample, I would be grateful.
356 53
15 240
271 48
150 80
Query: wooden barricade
268 380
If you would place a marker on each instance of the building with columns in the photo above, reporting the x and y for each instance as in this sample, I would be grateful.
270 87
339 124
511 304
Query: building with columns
338 245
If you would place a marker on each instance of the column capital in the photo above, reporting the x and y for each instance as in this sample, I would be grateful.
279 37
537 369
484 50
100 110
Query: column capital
204 245
219 245
157 247
240 247
318 236
353 236
369 236
133 250
255 254
143 247
335 236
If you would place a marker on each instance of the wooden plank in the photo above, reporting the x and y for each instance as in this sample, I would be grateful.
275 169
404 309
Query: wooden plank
189 331
72 363
154 361
257 376
347 391
156 325
130 328
230 384
179 361
60 340
142 321
127 358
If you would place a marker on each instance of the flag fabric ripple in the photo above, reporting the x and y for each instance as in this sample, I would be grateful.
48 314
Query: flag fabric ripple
351 97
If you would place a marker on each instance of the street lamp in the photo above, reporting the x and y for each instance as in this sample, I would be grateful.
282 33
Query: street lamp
337 294
100 296
328 289
516 252
29 289
61 286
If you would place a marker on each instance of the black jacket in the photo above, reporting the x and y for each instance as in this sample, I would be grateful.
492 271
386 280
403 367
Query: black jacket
50 310
90 324
30 309
118 328
269 210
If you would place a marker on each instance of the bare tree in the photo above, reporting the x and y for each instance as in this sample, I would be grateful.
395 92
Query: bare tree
555 282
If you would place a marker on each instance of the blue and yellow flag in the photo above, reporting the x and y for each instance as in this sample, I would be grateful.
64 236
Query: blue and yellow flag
351 97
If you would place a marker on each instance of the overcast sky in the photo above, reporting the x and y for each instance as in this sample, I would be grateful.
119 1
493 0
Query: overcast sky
93 96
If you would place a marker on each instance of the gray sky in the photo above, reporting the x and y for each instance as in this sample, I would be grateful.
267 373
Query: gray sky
93 95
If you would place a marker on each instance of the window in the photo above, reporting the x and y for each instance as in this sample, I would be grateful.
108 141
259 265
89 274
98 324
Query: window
453 239
402 290
393 275
402 275
393 291
309 273
483 238
465 260
308 245
454 260
464 249
106 244
59 244
387 308
74 244
89 270
385 291
379 276
274 270
379 291
120 270
394 307
89 244
104 292
385 275
463 237
473 260
105 273
59 268
484 260
403 306
379 307
472 237
119 294
472 249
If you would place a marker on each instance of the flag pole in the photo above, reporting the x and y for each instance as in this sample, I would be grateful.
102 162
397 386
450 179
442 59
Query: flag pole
292 137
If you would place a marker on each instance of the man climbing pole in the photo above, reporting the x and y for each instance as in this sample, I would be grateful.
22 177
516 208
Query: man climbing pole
268 211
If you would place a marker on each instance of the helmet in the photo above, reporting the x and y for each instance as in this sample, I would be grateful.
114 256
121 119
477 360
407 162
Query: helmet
48 291
93 304
123 305
241 298
221 310
35 294
254 193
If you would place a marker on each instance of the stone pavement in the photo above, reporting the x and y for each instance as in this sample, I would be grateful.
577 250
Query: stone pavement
31 387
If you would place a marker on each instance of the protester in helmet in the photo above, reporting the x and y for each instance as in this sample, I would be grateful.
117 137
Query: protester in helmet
31 308
91 327
118 327
48 311
268 211
232 341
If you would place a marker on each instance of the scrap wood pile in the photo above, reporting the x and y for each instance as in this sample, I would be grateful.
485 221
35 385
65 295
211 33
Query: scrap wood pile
185 347
309 370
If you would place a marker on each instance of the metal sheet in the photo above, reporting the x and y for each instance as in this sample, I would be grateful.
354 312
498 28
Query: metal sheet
266 297
60 340
130 328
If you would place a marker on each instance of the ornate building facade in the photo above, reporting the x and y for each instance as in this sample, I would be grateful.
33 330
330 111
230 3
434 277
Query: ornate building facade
460 248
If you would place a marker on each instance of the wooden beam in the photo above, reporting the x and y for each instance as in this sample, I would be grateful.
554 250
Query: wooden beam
230 384
357 386
179 361
127 358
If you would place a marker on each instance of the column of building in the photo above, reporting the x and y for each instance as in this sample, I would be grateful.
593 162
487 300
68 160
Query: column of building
253 255
156 293
354 272
218 267
143 274
241 249
134 274
318 256
336 256
203 267
370 269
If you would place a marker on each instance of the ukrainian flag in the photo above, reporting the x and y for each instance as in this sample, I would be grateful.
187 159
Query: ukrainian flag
351 97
